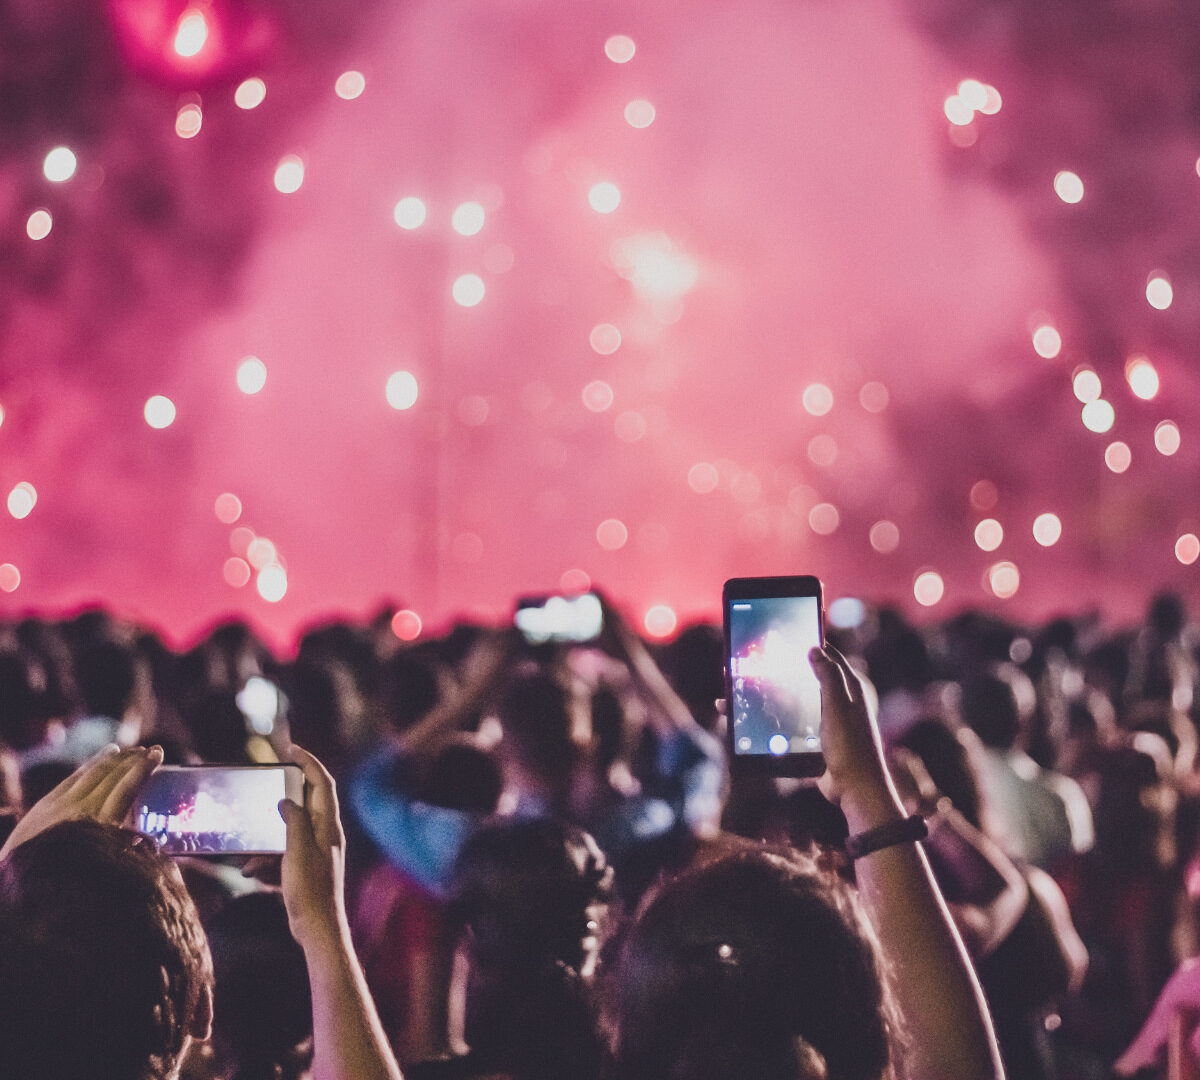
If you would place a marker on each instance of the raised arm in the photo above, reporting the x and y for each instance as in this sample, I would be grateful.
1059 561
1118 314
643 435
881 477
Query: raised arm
348 1039
947 1031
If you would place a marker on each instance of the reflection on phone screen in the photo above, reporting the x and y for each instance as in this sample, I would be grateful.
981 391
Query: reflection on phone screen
776 707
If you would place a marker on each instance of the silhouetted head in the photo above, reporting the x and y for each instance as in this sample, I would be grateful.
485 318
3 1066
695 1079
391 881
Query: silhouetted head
106 970
755 964
989 707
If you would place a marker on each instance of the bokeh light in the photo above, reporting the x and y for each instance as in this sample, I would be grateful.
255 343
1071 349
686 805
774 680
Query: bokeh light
605 339
251 375
272 583
1167 438
289 174
1159 293
992 103
983 495
1142 377
1068 187
817 399
574 581
957 111
1047 529
261 553
159 411
1047 342
620 48
654 267
597 396
188 121
59 164
974 94
824 519
468 290
250 94
1117 456
660 621
22 499
349 85
873 397
39 224
822 450
401 390
1099 416
703 478
227 507
191 33
1003 580
240 540
884 537
1187 548
630 426
604 197
468 218
989 534
639 113
406 625
10 577
928 588
410 213
236 572
611 534
1086 385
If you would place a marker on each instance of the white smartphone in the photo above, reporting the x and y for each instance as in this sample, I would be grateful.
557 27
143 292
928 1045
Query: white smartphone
217 809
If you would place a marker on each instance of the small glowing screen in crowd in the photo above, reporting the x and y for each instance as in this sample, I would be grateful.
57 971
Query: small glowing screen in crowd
776 706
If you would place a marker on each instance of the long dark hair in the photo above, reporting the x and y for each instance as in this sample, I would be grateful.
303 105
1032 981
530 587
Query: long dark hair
755 963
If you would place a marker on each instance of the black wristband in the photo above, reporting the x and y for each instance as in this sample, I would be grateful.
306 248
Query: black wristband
894 832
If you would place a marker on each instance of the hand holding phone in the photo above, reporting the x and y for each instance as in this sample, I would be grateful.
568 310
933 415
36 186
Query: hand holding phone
773 697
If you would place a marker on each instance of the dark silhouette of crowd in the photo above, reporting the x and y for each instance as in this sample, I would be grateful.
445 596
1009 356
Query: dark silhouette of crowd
530 861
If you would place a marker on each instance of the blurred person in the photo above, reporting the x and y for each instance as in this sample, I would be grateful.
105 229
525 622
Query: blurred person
532 897
262 1006
1013 917
26 722
96 925
1041 816
761 963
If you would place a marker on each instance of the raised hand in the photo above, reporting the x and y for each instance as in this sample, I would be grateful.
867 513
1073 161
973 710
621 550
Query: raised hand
102 789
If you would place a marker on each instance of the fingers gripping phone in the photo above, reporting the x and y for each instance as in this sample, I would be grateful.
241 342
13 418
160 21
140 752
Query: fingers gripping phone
772 695
217 809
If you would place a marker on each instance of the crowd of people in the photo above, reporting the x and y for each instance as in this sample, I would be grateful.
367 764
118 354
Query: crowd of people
532 861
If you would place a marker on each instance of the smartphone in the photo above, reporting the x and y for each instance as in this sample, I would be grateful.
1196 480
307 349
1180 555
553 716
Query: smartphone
217 809
771 692
575 620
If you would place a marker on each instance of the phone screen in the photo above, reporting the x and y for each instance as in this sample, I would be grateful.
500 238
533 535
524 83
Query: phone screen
775 699
216 809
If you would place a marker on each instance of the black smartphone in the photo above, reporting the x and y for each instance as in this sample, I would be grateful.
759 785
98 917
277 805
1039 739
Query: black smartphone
772 695
574 620
217 809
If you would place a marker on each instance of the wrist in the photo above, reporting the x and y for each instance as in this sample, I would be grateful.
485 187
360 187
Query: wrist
325 937
871 806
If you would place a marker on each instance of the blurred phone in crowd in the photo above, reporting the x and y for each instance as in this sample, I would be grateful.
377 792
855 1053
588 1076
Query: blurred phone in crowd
566 619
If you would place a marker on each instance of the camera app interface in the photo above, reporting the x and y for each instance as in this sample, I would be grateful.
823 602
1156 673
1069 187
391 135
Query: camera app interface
210 812
776 707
